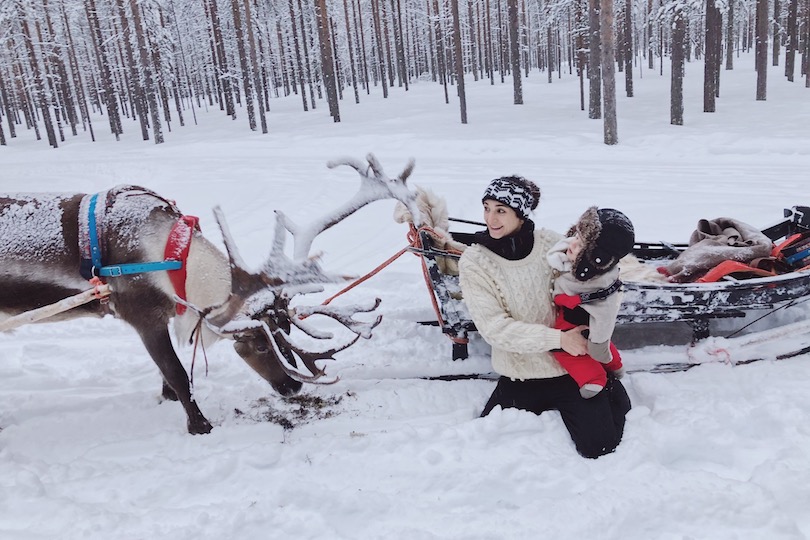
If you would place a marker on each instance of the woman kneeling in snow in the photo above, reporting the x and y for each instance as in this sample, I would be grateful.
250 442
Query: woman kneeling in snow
506 280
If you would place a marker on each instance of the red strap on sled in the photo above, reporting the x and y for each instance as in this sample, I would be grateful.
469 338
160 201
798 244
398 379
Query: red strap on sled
787 242
177 247
726 268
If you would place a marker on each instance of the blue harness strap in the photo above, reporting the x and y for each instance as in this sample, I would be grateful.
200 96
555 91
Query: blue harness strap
118 269
95 250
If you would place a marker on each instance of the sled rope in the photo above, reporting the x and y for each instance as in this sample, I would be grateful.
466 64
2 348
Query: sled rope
794 302
366 277
198 340
413 242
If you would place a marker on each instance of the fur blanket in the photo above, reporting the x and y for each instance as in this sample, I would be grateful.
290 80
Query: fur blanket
715 241
433 214
635 270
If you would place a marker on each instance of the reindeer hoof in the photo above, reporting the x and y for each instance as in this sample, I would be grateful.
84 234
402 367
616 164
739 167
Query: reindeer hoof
200 427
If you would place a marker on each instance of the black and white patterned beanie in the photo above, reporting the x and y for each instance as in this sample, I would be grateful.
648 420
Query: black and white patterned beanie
516 192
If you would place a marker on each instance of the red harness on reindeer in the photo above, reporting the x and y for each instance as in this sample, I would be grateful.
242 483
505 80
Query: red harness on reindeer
175 253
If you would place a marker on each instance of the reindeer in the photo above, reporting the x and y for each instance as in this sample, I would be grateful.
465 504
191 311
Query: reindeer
40 265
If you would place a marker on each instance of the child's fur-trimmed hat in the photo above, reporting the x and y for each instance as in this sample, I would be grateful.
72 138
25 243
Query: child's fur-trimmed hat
516 192
607 235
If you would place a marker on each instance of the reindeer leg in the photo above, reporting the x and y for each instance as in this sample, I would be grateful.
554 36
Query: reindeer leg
167 392
147 310
159 346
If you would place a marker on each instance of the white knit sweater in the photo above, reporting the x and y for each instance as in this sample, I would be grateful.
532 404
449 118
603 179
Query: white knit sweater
510 303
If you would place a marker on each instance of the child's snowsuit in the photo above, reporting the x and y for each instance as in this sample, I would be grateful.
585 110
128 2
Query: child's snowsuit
588 293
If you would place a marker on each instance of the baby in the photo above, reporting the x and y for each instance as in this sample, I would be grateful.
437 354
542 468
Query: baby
587 290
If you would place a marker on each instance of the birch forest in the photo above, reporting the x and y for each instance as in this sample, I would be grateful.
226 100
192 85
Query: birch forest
97 67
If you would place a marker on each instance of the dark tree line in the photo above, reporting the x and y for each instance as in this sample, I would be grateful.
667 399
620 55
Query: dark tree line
148 65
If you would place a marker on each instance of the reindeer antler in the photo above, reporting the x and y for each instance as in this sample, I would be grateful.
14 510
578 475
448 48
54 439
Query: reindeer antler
374 185
282 278
282 340
343 315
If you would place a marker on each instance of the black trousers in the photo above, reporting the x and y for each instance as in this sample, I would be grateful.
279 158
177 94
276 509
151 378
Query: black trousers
596 424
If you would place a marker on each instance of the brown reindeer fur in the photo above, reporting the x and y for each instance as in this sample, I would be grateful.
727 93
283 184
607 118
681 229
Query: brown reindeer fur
40 266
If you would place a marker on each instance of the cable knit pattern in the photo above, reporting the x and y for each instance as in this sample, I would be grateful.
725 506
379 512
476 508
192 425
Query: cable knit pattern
510 303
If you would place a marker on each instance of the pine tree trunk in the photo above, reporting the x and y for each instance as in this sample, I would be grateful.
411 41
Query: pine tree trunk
375 11
608 71
628 47
247 78
792 39
441 56
63 84
462 95
549 53
150 84
136 95
386 40
4 96
502 47
52 95
594 61
24 99
709 77
650 35
490 46
212 43
110 99
350 44
358 24
336 56
285 72
776 32
730 36
222 60
254 65
399 38
762 49
806 55
307 63
580 48
38 87
677 55
524 40
327 60
474 47
514 50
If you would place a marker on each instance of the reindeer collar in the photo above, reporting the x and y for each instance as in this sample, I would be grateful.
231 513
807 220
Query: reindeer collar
177 247
175 254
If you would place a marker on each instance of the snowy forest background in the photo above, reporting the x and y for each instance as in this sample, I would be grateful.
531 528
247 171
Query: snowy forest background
67 66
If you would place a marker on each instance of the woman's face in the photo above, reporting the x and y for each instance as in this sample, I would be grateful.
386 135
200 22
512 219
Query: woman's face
500 219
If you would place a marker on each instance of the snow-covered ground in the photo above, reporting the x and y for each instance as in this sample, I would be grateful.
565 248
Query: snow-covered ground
87 450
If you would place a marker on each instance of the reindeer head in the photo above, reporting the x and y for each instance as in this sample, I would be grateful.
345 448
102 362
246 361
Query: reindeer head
258 314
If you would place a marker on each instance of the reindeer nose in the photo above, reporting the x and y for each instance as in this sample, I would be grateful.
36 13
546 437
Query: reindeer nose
288 388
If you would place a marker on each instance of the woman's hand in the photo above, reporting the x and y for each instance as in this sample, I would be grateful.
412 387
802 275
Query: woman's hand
573 342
